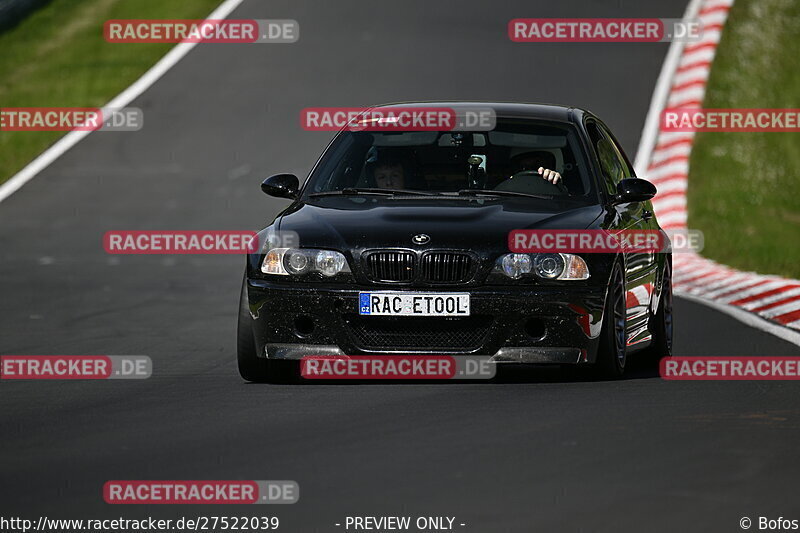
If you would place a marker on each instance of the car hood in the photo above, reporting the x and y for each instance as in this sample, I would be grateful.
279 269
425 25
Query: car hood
358 223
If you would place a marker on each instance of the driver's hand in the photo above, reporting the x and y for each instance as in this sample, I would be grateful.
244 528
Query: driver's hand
550 175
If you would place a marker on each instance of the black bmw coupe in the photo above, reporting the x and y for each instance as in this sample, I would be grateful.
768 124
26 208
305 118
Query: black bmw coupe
398 243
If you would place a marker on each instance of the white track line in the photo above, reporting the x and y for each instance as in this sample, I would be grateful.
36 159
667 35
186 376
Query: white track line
72 138
748 319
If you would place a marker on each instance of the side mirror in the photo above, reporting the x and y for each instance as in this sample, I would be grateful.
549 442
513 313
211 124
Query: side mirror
281 186
634 190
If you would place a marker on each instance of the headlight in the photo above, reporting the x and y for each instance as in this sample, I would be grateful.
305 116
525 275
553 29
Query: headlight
515 265
548 266
330 263
545 266
299 261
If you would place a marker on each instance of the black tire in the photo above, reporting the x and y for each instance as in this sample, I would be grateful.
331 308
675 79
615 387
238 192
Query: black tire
253 368
612 352
661 324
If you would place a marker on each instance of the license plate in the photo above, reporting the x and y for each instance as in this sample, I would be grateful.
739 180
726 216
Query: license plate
413 304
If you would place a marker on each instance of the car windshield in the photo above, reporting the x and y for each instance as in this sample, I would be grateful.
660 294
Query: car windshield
504 162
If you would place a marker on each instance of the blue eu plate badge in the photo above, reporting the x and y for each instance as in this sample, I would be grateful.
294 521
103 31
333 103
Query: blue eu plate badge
363 303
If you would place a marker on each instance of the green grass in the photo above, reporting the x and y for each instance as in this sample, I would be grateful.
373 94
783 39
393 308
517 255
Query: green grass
57 57
744 188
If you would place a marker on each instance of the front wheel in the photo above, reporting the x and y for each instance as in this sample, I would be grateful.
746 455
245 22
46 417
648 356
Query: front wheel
251 367
612 352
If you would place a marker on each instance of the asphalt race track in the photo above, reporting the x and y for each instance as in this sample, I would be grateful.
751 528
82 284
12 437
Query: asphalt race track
540 451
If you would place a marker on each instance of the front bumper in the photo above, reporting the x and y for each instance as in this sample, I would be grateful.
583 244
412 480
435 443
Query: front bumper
543 325
518 354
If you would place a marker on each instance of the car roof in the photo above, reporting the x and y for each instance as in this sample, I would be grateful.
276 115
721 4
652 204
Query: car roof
508 109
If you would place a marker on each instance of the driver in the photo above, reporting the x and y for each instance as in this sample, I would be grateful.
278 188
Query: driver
537 162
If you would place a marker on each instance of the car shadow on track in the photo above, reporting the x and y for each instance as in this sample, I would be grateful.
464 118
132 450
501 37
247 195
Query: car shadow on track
516 373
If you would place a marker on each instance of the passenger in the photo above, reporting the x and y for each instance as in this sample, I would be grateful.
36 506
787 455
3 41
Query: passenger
389 175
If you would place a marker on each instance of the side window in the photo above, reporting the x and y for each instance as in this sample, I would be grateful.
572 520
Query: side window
611 163
627 171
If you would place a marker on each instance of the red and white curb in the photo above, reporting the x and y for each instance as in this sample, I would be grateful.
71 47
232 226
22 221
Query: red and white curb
664 157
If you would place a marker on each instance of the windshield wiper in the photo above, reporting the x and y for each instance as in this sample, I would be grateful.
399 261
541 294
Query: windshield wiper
492 192
352 191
